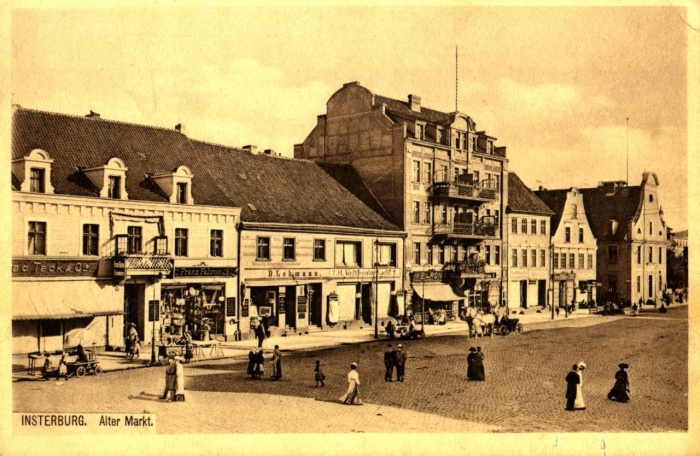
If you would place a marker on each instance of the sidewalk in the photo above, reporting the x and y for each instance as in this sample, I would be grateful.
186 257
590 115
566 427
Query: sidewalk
114 361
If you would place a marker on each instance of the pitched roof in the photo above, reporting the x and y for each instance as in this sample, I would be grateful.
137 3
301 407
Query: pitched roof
402 109
521 198
681 234
603 205
268 189
555 200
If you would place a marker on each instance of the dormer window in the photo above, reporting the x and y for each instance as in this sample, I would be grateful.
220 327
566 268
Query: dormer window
420 132
473 143
439 135
109 178
177 185
34 172
490 151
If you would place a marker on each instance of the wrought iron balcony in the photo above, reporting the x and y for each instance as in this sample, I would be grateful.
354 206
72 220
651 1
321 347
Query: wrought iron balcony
466 268
483 192
130 260
465 230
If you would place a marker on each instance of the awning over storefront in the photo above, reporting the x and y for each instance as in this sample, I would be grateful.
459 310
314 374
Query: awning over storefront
60 300
436 292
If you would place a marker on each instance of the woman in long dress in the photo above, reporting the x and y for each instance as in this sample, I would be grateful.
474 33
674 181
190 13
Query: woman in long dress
352 396
579 404
471 371
478 364
621 388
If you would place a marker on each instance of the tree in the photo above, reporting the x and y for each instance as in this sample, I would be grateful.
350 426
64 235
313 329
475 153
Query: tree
677 268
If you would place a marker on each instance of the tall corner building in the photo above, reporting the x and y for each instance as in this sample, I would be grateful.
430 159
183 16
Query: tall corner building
434 176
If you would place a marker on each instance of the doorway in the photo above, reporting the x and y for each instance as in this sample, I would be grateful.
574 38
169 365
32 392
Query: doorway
366 306
562 294
523 294
315 306
541 292
290 307
133 301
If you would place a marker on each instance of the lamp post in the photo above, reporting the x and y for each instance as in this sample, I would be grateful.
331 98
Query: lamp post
376 288
153 327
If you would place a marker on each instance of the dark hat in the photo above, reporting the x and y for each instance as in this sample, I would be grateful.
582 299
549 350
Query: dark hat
353 365
623 365
472 349
388 345
318 361
478 348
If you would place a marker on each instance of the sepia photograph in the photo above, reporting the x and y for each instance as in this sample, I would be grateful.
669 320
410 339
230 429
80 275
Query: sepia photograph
349 229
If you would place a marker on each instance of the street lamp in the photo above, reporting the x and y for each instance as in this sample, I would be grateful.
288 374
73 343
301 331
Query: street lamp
154 303
376 288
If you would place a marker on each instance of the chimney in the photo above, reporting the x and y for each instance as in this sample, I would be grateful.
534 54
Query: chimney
181 128
414 102
251 149
541 188
269 152
93 115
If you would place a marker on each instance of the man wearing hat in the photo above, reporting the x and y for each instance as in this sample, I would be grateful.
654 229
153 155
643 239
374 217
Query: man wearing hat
572 381
389 363
622 387
170 378
132 342
400 363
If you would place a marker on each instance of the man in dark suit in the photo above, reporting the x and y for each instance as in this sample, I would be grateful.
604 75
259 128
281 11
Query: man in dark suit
389 362
400 363
572 379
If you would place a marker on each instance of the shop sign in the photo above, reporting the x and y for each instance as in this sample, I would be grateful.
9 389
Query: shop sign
244 307
333 273
204 271
301 304
532 281
231 307
489 275
53 268
563 276
281 300
428 276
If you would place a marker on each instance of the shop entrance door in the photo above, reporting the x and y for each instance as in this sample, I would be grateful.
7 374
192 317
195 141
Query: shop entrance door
290 307
315 306
367 308
523 294
562 294
133 301
541 292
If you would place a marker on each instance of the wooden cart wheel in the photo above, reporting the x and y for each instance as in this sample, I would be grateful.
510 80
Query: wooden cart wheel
504 330
518 328
98 370
80 371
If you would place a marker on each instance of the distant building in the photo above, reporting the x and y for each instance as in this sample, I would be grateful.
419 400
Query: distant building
679 242
573 246
528 231
632 239
437 178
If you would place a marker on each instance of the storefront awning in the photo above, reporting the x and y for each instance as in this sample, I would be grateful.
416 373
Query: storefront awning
436 292
60 300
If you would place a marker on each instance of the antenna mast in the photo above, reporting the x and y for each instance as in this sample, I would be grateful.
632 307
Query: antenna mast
628 151
456 79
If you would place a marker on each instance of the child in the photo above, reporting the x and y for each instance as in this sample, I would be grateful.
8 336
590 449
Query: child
319 374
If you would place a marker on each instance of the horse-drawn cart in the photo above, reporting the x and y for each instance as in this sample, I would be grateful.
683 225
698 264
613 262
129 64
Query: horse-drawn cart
486 324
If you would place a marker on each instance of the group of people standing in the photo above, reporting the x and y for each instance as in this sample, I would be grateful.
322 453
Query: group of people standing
394 359
574 386
256 364
475 364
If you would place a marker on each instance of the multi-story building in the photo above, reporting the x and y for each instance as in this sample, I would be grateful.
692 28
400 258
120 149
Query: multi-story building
573 247
528 232
632 239
437 178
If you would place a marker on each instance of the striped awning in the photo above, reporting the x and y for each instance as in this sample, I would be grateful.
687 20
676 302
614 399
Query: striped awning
59 300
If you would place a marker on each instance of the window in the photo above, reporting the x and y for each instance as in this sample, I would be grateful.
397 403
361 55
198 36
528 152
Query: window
428 167
444 173
456 174
427 210
543 227
476 176
181 242
497 255
429 252
651 198
523 226
263 248
542 258
562 257
416 212
497 182
114 186
612 254
216 243
416 253
181 197
590 261
91 239
455 253
496 217
288 249
533 258
660 255
580 235
133 240
612 284
438 135
515 258
319 250
572 261
490 151
651 227
420 132
416 171
458 139
651 258
639 255
639 284
533 226
473 143
386 255
441 254
567 234
580 261
36 180
443 214
514 226
524 258
487 253
348 254
574 211
555 260
661 283
36 244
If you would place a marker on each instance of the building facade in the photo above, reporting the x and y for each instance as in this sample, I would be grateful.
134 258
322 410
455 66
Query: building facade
632 239
573 246
528 238
435 176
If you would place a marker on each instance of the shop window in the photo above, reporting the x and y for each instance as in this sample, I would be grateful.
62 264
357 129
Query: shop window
348 253
114 187
36 180
134 240
543 227
523 226
181 197
289 249
319 250
497 255
416 253
181 242
263 248
386 255
567 234
36 234
197 307
216 243
533 226
91 239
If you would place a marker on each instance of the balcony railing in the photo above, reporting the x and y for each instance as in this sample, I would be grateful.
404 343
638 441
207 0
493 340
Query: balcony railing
148 262
463 190
457 229
130 259
127 246
468 267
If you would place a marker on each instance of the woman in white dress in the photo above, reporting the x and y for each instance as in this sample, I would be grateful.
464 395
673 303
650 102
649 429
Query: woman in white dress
579 404
352 396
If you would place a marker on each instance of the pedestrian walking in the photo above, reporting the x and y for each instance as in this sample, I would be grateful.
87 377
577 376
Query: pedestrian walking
400 363
579 404
352 396
252 360
132 342
389 363
479 372
572 381
170 379
471 371
259 368
260 334
390 329
622 387
276 363
318 374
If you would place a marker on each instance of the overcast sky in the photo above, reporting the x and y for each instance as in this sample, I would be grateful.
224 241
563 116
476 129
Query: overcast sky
554 85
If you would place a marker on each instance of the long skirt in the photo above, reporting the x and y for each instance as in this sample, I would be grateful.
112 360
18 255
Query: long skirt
477 371
578 402
352 397
619 392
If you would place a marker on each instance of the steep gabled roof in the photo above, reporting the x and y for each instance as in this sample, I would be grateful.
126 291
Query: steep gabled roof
603 205
402 109
556 201
522 199
268 189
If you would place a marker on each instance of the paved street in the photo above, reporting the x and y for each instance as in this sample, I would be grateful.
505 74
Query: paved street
523 392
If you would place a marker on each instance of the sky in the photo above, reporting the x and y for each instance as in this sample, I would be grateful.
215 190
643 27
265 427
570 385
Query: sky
555 85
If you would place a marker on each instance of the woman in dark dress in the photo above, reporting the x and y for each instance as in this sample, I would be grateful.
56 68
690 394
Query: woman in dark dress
622 387
479 365
471 368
